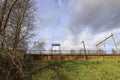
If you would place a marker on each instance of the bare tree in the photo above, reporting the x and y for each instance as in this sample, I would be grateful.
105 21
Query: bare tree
39 46
2 12
16 23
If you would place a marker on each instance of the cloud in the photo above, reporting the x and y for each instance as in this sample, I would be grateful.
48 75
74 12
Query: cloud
97 15
82 20
74 42
93 19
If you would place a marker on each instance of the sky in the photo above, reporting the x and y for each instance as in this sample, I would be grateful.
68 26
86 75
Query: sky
69 22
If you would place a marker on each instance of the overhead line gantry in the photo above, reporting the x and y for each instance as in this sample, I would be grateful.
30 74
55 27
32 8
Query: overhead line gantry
107 39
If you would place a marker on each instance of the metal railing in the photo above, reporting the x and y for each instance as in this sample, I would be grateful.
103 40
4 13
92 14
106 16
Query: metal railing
74 52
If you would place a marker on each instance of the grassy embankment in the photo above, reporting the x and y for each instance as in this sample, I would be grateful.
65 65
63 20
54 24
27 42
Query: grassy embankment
76 70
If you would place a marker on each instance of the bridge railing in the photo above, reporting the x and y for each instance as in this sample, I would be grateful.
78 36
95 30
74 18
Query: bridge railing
75 52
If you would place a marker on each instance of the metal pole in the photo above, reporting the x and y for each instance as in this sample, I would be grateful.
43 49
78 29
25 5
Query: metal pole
84 49
114 41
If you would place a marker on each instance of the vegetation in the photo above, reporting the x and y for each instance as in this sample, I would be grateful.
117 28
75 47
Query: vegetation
76 70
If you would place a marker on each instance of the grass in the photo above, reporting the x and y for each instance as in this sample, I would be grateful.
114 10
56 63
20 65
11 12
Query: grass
76 70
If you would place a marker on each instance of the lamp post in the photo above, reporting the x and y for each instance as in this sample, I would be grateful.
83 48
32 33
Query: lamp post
84 49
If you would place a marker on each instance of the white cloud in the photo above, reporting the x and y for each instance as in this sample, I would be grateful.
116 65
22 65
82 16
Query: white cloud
89 20
72 43
90 40
92 21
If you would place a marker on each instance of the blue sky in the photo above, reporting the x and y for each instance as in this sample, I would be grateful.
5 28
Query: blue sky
71 21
